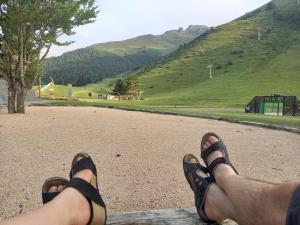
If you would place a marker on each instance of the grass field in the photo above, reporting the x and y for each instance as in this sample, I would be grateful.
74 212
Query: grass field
233 114
61 92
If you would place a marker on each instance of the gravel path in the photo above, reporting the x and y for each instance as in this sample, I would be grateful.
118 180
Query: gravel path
139 155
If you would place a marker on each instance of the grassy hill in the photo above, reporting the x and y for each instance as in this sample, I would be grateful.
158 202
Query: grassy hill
243 65
104 60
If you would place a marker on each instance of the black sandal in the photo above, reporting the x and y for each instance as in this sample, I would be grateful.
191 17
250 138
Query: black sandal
54 181
217 146
89 189
198 184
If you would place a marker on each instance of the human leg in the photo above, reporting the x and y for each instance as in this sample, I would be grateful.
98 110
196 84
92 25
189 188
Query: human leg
255 202
68 208
211 202
78 204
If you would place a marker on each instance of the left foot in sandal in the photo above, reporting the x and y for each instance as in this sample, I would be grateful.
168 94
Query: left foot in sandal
207 194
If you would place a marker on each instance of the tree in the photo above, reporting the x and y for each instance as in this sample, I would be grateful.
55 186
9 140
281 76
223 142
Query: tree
83 80
28 29
120 88
132 86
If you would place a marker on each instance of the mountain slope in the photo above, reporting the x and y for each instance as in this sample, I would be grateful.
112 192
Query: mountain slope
243 65
98 61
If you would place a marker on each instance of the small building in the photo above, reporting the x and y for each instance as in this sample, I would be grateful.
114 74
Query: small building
275 104
112 97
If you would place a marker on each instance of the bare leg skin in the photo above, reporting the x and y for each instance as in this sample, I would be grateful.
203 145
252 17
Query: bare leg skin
68 208
217 205
255 202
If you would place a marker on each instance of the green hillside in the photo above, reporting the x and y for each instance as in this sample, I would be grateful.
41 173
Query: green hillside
243 65
99 61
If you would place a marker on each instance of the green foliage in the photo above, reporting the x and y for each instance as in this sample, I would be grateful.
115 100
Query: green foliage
120 88
113 58
28 28
83 80
132 86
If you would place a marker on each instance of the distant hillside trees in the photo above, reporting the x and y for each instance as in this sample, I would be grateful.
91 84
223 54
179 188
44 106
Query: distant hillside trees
83 80
90 65
28 29
110 59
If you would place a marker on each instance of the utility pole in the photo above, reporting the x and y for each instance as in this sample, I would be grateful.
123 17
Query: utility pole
210 72
298 2
259 34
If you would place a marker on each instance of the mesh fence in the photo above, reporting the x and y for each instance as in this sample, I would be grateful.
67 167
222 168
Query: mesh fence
274 105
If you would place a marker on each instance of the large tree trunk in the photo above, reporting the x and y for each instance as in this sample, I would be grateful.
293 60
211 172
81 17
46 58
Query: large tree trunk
21 95
11 98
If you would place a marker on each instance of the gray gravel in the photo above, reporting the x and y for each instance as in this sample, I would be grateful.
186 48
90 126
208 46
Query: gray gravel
138 155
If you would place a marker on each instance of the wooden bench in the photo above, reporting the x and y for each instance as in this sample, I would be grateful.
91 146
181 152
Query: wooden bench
159 217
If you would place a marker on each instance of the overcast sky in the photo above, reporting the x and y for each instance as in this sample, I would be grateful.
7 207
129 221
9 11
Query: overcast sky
123 19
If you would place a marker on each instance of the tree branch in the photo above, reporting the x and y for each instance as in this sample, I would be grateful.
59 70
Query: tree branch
46 53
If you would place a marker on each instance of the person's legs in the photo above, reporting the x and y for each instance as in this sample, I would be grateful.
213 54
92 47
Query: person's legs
216 205
255 202
68 208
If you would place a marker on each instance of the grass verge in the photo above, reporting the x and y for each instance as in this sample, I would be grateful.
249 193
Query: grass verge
230 114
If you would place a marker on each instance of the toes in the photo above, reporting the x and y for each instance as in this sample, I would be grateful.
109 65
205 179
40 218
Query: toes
208 144
212 139
201 174
53 189
60 188
193 160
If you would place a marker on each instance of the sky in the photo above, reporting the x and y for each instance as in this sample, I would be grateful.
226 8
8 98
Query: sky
123 19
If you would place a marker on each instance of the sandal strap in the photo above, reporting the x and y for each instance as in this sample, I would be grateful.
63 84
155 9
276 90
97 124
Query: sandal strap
194 166
47 197
217 146
216 162
191 168
84 163
85 188
221 160
202 188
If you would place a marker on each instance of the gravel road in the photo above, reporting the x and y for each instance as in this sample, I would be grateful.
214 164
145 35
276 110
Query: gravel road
138 155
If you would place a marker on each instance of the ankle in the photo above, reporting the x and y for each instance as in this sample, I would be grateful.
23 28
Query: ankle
74 207
217 205
223 171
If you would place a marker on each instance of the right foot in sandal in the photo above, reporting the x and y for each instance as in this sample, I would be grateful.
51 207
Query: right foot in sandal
215 155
